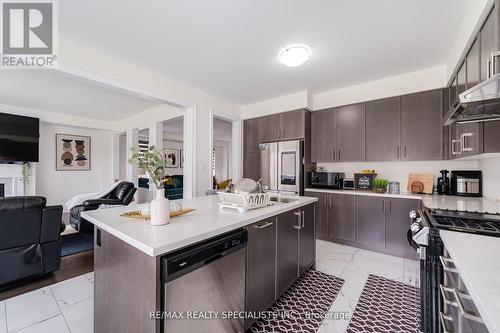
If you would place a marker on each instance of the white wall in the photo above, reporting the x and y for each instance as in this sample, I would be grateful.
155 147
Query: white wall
491 177
399 171
290 102
427 79
59 186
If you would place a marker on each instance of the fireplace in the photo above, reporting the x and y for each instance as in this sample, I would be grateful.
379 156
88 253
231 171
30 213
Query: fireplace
2 190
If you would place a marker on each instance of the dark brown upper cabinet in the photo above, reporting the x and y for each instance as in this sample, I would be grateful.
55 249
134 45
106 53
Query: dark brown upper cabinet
323 144
383 130
251 135
453 93
350 133
462 78
473 68
492 137
283 126
489 43
421 130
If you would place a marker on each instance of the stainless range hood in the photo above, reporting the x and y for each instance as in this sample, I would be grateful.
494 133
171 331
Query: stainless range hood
480 103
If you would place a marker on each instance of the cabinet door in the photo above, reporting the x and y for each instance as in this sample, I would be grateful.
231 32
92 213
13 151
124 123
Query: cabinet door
350 133
473 66
382 130
370 221
462 79
251 166
251 135
323 145
307 247
454 140
288 249
397 222
342 221
471 139
489 43
270 127
421 130
453 96
261 265
293 125
322 210
492 137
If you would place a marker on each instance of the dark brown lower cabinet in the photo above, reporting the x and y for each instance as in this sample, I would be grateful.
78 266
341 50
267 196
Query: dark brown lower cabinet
397 222
492 137
370 221
342 213
261 266
322 212
288 249
307 243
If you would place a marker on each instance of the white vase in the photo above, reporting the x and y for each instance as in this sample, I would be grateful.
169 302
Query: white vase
160 209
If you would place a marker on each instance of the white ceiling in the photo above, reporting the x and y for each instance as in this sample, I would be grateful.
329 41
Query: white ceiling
229 47
57 92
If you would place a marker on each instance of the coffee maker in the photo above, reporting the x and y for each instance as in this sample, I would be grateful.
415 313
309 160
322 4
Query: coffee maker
443 183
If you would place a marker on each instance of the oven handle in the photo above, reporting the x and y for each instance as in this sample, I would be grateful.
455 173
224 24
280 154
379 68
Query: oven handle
409 236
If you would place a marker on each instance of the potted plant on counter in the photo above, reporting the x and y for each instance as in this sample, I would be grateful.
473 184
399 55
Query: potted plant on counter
152 162
380 185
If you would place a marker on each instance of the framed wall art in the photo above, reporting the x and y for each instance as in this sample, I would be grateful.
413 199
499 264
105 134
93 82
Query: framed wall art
172 158
72 152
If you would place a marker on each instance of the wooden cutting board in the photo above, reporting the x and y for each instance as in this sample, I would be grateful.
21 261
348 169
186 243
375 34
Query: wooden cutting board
136 214
427 179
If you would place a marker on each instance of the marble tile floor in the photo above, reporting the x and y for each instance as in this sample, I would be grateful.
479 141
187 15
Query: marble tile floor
68 306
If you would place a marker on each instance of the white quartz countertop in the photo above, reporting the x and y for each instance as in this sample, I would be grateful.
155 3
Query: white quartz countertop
476 258
450 202
205 222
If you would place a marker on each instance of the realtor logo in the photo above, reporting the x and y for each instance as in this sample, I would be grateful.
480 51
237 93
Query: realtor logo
28 34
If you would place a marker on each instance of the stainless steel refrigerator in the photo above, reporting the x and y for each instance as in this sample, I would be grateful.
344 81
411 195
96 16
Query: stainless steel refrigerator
281 165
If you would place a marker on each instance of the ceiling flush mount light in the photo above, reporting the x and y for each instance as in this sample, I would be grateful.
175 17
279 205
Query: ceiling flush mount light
294 55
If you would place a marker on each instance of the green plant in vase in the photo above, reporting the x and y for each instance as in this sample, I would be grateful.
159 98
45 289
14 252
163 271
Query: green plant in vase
152 162
380 185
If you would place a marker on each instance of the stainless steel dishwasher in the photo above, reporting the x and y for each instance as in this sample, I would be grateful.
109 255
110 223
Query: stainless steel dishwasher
204 284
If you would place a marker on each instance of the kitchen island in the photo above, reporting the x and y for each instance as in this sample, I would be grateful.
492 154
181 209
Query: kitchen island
128 256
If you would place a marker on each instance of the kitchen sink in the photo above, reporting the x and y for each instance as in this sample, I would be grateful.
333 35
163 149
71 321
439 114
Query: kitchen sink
283 200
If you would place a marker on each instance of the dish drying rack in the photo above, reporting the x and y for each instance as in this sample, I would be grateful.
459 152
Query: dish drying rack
243 201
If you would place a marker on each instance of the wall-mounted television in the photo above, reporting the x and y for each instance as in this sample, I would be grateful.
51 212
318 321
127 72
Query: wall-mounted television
19 138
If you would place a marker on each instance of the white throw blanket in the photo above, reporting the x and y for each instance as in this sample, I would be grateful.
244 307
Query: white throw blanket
81 198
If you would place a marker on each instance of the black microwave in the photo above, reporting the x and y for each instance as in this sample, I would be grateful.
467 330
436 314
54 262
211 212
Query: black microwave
331 180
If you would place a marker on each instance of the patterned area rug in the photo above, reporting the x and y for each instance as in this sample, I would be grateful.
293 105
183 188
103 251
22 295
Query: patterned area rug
386 306
303 306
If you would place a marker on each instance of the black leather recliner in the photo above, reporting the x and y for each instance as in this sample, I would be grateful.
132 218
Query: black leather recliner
122 194
30 241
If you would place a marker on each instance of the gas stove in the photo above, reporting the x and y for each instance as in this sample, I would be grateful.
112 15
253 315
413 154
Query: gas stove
478 223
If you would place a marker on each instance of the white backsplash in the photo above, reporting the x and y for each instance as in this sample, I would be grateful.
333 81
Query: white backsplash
491 177
399 171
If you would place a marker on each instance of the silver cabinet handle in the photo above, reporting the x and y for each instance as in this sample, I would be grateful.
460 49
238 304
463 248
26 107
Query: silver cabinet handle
488 69
405 152
464 141
398 153
265 225
299 216
303 219
443 318
339 155
453 143
333 154
464 313
446 267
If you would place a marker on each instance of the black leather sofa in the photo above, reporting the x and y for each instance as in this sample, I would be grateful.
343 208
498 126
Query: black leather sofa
122 194
30 242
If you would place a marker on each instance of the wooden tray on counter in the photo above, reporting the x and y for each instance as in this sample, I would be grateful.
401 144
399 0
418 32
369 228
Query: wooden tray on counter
137 214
